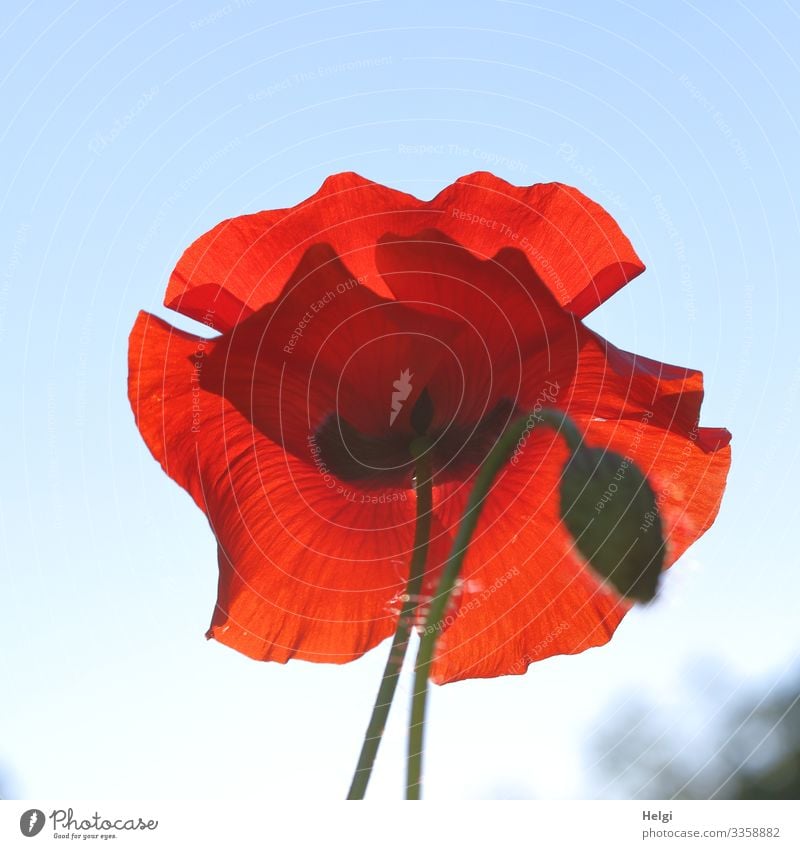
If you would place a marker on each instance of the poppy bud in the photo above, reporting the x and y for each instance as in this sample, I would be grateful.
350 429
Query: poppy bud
611 511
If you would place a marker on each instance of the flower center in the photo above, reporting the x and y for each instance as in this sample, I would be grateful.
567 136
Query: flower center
378 460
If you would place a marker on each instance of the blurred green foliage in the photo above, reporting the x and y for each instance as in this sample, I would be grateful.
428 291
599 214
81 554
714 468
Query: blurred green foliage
728 741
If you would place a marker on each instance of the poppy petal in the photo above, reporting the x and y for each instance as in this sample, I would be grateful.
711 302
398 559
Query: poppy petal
329 343
530 596
574 245
308 569
242 264
524 594
506 311
251 257
609 383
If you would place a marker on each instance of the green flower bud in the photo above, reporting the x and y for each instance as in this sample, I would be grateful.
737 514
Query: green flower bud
610 509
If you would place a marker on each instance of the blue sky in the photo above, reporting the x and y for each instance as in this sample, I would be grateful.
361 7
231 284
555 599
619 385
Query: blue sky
131 129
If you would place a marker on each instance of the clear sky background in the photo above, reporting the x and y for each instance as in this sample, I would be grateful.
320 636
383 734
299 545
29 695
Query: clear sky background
129 129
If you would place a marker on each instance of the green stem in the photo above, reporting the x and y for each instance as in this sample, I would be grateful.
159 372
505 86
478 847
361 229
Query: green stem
491 466
563 425
391 674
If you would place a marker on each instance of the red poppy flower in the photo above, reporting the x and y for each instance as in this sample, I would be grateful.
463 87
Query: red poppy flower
347 324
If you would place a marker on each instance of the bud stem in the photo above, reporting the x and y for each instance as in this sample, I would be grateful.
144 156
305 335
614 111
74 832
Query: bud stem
485 478
563 425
